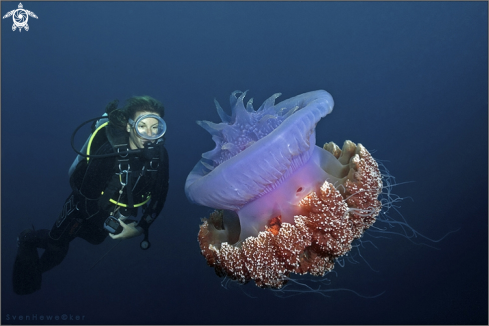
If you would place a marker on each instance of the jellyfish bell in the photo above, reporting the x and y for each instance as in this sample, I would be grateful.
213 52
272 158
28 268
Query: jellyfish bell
269 145
299 205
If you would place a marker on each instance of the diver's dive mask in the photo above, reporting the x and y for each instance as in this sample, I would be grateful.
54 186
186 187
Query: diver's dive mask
149 126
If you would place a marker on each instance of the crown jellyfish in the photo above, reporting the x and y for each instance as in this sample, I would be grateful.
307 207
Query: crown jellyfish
282 204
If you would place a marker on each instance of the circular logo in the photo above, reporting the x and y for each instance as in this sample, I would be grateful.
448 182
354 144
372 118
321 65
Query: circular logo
20 18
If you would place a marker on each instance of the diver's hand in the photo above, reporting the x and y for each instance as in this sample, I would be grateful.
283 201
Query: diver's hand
128 231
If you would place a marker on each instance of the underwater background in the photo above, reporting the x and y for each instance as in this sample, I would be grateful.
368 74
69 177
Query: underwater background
409 81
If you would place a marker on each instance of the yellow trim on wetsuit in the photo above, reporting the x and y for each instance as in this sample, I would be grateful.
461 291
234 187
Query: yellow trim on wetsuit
125 205
93 137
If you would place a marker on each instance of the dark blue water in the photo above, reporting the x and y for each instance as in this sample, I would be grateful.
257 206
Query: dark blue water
409 81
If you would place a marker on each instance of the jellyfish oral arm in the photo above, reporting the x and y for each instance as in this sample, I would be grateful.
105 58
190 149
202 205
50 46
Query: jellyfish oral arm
284 200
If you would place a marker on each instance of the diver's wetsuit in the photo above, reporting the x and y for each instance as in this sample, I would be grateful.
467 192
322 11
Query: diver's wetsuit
85 210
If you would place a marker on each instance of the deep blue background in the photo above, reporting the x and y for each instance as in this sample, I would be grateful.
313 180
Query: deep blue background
409 81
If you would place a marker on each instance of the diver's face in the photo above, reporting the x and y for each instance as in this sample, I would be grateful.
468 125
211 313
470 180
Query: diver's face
148 126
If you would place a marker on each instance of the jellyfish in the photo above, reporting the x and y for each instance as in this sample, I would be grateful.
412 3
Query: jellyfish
281 203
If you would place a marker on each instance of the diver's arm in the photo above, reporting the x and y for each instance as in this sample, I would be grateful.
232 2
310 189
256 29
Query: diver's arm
98 173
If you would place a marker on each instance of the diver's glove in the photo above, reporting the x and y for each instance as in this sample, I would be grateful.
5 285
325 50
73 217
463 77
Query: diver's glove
128 231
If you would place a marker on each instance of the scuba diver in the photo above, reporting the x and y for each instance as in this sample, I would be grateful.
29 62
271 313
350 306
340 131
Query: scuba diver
122 167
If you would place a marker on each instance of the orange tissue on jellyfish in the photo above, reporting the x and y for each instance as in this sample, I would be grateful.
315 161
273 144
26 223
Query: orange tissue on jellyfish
282 204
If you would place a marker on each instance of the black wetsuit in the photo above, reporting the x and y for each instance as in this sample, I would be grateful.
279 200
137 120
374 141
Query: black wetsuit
86 209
